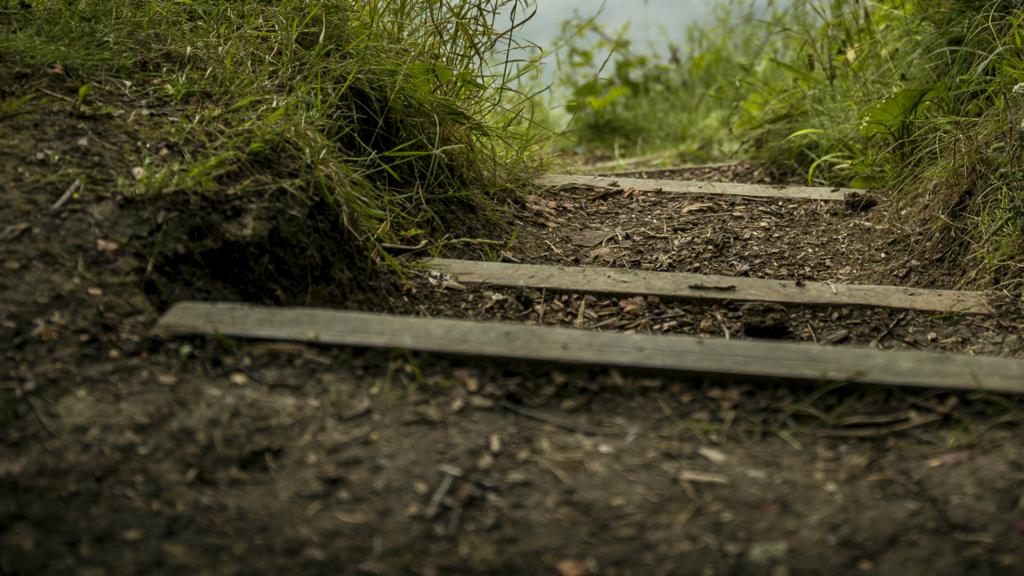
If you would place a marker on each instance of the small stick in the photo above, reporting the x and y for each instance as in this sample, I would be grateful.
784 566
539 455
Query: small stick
607 322
725 328
813 335
401 249
67 195
543 305
439 494
55 95
476 241
39 416
582 311
882 431
685 517
554 420
892 326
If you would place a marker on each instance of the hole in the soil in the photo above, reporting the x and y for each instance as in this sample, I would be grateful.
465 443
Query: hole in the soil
238 250
259 460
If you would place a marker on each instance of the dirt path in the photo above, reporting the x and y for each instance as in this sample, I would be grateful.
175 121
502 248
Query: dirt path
123 454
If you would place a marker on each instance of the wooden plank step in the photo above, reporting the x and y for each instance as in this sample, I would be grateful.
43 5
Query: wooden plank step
703 287
674 354
693 187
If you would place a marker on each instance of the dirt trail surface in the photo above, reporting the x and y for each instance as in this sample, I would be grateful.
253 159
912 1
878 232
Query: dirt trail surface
122 454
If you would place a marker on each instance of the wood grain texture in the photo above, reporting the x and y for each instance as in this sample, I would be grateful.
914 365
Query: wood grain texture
704 287
692 187
674 354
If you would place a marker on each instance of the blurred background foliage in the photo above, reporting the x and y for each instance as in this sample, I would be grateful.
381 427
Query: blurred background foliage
916 96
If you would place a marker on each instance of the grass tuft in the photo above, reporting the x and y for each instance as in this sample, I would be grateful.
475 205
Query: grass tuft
394 112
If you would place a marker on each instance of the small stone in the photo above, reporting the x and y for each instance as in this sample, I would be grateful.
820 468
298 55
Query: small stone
481 402
485 462
768 552
457 405
572 568
712 454
238 378
107 246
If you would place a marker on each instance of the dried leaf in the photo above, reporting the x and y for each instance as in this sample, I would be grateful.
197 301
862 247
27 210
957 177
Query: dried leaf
540 204
694 207
590 238
107 246
949 459
633 306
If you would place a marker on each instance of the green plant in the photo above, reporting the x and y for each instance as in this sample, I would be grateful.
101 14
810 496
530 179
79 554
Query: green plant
398 114
635 102
908 95
914 96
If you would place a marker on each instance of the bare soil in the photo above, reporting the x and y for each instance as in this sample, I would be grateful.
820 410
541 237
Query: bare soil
122 454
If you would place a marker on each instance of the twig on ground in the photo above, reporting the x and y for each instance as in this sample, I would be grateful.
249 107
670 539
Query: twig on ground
892 326
39 416
476 241
554 420
813 335
67 195
55 95
721 322
543 304
401 249
442 490
582 311
882 431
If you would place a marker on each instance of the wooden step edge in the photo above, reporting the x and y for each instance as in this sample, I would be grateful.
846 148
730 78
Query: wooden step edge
624 172
680 355
702 188
706 287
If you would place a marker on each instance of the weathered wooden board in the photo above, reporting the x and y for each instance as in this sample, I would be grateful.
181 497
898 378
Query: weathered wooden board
699 286
673 354
691 187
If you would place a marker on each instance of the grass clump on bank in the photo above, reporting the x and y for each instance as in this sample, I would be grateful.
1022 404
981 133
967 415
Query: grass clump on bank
914 96
398 114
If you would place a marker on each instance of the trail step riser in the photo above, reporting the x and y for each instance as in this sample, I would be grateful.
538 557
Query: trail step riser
705 287
701 188
673 354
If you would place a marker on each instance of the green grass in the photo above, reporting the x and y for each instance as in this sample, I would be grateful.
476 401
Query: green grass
400 114
916 96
